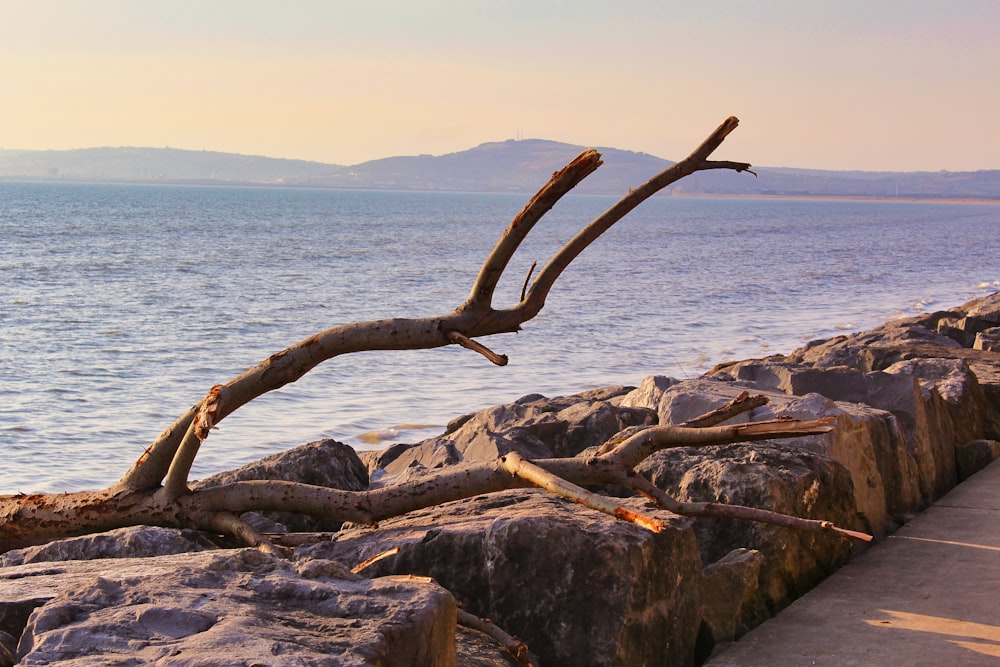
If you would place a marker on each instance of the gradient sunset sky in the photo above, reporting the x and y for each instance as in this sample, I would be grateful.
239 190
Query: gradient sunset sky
874 85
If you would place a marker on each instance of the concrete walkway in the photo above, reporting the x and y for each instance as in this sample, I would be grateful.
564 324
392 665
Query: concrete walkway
927 595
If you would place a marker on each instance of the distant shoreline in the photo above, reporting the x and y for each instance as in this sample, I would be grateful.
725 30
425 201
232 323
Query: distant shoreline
860 198
684 195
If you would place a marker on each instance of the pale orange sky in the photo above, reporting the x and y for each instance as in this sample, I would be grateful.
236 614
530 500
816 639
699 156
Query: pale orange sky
888 85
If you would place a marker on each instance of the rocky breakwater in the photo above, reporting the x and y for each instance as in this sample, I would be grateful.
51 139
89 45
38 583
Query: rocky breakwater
917 409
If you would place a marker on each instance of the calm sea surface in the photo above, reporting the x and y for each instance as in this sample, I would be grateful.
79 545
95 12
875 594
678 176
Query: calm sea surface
121 305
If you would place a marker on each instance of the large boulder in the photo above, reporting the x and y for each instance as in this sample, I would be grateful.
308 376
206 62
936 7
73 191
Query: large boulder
866 441
988 340
769 476
534 426
941 396
322 463
985 307
922 338
730 597
945 408
576 586
873 349
227 608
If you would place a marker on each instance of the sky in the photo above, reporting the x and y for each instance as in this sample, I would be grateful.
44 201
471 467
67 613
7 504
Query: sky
905 85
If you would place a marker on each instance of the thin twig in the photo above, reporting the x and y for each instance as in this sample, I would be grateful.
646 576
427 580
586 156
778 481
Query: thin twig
519 466
742 403
368 562
469 344
648 489
228 523
696 161
512 644
527 279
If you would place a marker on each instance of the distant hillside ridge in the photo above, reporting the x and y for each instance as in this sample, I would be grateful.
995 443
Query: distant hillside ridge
164 165
520 166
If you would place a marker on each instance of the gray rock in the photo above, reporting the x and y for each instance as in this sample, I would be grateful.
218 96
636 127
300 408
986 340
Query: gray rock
476 649
729 594
988 340
238 608
325 463
534 426
946 409
838 383
676 402
866 441
963 330
985 308
971 457
648 393
874 349
321 463
576 586
130 542
984 365
770 476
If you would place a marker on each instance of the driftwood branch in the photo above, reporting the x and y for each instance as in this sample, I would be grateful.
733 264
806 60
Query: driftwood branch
155 490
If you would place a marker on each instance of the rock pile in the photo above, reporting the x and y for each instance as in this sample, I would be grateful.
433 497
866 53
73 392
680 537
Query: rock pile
917 409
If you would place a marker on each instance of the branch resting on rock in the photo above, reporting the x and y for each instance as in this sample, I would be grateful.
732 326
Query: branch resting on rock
155 490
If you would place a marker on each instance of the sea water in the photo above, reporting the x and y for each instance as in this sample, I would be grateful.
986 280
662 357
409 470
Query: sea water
121 305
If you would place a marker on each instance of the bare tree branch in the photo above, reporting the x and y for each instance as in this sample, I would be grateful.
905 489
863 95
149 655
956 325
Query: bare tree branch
692 163
139 498
475 318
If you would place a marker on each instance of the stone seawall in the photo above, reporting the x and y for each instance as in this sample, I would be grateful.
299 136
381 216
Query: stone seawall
917 410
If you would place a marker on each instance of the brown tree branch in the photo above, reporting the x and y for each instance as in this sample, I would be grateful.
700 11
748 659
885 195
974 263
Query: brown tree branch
48 516
228 523
725 510
475 318
138 497
199 428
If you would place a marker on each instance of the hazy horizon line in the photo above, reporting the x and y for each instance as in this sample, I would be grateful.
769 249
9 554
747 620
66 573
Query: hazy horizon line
483 143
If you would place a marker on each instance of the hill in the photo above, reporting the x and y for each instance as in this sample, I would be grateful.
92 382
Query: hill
503 166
